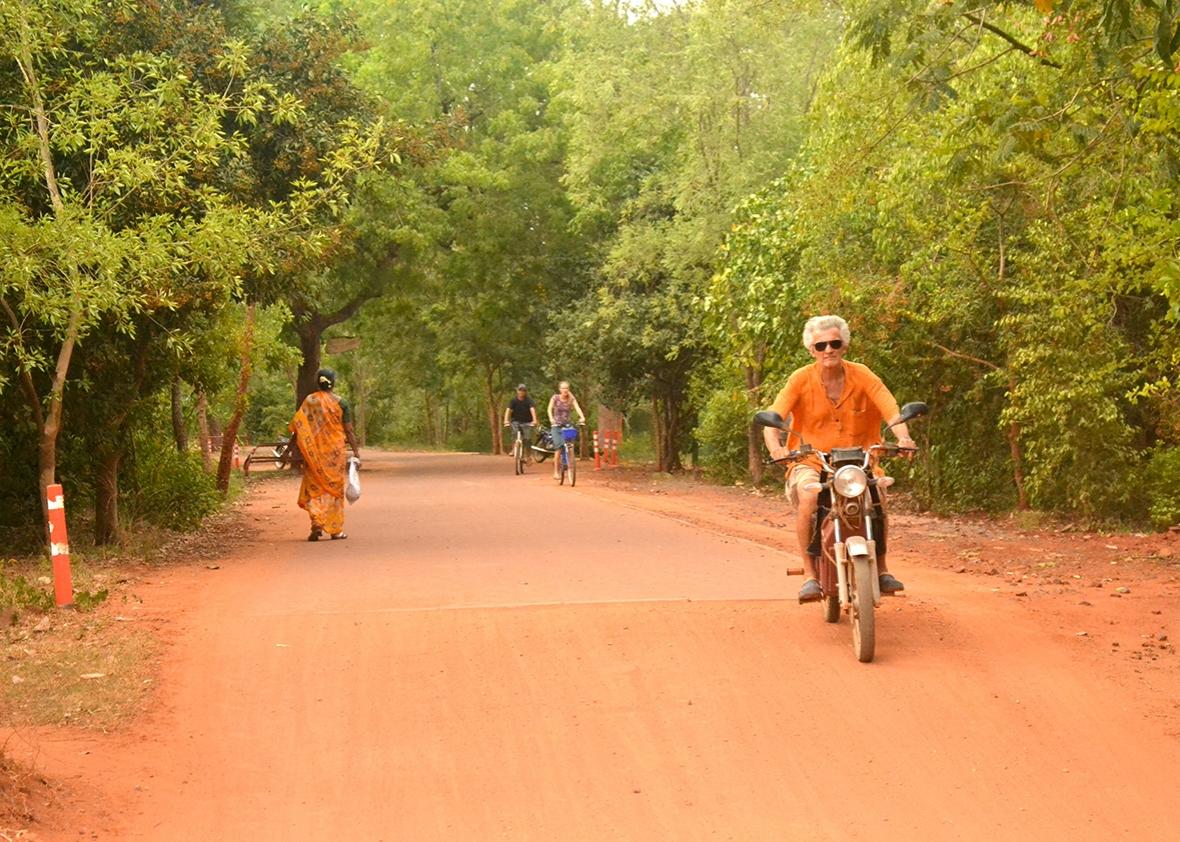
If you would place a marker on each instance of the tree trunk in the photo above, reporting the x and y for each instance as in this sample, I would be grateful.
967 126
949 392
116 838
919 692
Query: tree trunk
51 419
430 417
1017 455
667 418
493 410
362 407
310 333
179 432
657 421
754 434
230 434
50 424
203 432
672 436
106 496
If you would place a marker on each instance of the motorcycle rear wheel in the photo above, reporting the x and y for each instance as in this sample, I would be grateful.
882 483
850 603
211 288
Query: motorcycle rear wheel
864 637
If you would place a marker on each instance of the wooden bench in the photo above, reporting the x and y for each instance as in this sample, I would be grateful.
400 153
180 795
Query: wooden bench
267 457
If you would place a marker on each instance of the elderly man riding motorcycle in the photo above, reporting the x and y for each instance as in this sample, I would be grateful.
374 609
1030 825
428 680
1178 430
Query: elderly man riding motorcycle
832 403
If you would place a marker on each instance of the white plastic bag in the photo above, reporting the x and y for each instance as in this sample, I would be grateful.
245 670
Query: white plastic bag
352 489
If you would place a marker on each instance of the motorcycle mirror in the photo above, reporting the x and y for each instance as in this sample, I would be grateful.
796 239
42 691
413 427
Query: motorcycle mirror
767 418
912 410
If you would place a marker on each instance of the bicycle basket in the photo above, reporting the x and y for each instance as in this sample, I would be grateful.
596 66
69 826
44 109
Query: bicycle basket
569 433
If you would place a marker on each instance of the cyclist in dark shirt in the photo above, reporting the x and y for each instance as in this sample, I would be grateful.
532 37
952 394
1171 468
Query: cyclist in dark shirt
521 414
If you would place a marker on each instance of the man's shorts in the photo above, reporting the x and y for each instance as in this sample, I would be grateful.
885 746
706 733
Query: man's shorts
799 476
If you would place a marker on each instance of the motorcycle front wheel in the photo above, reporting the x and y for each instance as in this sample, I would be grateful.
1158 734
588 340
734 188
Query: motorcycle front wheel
864 637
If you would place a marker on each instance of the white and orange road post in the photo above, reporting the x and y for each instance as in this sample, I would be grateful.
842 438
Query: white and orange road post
59 546
597 454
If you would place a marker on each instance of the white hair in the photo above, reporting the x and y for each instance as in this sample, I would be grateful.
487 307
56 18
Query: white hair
816 324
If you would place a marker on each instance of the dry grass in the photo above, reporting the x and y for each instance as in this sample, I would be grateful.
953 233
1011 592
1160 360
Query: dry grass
20 792
86 670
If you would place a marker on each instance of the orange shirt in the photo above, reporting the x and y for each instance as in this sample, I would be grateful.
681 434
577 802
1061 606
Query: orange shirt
853 421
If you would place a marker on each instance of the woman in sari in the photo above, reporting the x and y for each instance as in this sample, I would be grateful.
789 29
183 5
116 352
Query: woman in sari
320 428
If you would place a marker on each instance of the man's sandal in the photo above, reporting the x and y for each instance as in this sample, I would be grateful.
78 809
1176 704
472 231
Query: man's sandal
316 532
889 583
811 591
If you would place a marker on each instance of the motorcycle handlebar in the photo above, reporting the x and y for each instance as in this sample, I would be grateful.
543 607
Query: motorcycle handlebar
796 455
890 448
793 456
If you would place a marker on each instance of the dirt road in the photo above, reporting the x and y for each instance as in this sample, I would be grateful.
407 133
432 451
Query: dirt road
493 657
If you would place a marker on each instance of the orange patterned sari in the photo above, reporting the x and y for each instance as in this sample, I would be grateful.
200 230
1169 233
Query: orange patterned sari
319 430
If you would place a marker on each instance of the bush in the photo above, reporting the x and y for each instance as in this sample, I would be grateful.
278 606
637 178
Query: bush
17 594
168 488
1163 487
724 421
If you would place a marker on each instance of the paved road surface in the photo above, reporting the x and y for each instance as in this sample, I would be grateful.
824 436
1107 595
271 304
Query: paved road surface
493 657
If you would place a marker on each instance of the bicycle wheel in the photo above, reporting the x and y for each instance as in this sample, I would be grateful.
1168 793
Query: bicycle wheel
517 454
560 456
573 463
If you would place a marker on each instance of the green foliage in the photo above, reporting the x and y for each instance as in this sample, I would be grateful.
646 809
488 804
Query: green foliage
167 488
648 201
724 419
89 600
497 250
1162 486
999 229
17 593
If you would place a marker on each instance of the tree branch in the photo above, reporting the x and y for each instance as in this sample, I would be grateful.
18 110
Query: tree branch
373 291
26 377
1020 45
967 357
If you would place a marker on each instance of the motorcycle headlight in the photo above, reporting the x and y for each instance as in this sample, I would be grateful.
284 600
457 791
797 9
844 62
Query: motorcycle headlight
850 481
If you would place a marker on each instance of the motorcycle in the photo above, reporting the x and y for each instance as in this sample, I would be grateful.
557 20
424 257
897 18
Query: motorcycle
543 447
847 524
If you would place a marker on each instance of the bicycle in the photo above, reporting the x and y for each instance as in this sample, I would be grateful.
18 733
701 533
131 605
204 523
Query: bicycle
519 456
568 455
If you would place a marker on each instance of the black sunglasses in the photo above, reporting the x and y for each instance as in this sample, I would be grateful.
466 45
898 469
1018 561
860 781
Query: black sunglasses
836 344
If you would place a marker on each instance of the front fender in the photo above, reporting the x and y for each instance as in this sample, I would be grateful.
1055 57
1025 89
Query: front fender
857 547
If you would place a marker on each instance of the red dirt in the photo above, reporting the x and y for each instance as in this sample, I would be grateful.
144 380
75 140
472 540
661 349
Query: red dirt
496 657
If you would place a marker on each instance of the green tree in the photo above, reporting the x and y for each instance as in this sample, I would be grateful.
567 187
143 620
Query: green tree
508 259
